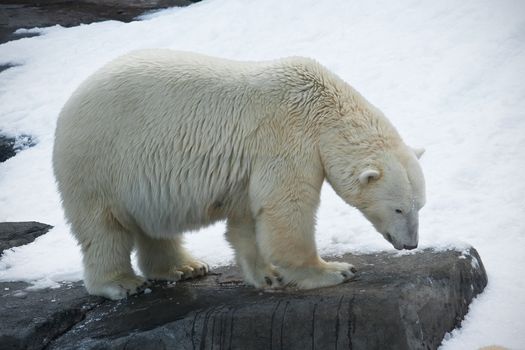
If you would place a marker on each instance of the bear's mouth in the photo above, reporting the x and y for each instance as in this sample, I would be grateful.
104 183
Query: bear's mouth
388 237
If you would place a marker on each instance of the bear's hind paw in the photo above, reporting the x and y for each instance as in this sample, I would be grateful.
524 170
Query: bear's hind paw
173 275
119 287
188 270
194 269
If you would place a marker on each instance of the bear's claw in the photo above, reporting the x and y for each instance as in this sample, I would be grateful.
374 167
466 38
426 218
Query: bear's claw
193 269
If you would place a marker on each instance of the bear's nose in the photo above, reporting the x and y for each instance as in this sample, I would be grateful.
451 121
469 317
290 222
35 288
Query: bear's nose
409 247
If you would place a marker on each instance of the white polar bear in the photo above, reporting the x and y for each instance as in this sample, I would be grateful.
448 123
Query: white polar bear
159 142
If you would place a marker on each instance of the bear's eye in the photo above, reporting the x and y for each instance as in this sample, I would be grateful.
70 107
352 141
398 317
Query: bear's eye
399 211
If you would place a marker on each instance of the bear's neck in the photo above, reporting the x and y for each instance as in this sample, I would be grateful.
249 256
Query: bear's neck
342 107
319 100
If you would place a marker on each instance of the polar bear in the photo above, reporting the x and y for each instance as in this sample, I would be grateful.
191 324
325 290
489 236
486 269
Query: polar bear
160 142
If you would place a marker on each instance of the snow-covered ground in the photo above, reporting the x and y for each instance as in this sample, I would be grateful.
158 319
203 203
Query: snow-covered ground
449 74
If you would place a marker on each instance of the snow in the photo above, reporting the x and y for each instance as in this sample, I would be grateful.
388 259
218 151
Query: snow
448 74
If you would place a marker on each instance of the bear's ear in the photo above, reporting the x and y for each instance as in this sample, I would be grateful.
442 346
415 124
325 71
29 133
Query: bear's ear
368 175
418 152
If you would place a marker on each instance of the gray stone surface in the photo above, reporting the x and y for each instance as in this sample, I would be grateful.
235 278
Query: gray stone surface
15 14
9 146
396 302
14 234
31 319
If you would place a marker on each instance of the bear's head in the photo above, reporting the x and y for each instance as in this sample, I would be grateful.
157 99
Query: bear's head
391 195
382 179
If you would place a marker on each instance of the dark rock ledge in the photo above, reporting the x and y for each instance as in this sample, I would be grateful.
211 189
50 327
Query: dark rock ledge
10 146
16 14
396 302
14 234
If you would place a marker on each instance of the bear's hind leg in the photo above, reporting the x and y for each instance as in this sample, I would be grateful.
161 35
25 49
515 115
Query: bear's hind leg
106 248
167 259
256 271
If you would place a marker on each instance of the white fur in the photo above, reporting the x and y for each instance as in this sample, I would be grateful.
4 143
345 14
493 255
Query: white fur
159 142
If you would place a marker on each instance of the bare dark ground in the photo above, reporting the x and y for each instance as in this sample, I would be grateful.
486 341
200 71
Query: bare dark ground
16 14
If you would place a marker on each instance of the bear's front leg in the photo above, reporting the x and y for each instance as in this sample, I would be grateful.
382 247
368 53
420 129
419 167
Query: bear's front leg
285 236
256 271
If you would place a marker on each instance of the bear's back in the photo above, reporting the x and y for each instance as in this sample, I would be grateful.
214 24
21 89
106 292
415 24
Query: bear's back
155 125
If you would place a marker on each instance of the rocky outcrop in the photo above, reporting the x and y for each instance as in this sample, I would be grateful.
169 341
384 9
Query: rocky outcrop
16 14
396 302
14 234
9 146
32 319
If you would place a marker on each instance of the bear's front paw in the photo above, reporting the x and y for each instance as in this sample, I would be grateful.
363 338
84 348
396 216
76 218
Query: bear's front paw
266 277
118 287
325 275
272 278
346 270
